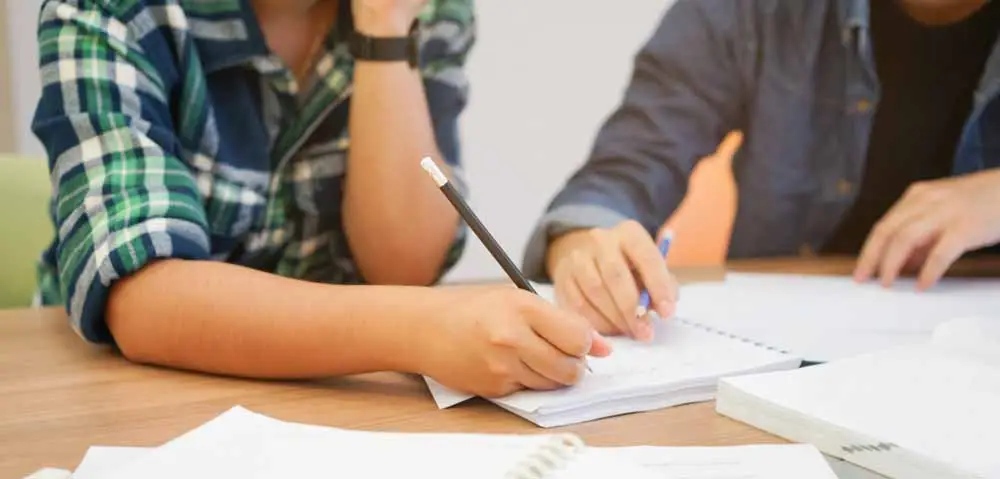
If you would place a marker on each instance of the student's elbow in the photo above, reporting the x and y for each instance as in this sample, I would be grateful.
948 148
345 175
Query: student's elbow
130 337
135 318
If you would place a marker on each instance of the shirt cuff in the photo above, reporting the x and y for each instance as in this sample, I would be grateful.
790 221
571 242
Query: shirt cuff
559 221
165 238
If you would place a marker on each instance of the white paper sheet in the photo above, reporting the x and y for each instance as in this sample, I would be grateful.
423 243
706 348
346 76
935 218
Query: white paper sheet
101 460
822 318
741 462
933 406
786 461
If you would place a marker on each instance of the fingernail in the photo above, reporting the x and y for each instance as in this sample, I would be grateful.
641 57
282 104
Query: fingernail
597 337
665 308
643 330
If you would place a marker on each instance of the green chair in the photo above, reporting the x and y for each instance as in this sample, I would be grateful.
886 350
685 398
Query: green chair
25 228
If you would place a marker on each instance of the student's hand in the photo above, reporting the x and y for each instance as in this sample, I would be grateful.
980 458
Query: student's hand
495 341
931 226
598 273
385 17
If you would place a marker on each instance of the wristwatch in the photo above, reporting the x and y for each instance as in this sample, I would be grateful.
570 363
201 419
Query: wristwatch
388 49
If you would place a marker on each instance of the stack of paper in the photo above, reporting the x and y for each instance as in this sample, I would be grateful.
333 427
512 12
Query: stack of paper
243 444
680 366
916 411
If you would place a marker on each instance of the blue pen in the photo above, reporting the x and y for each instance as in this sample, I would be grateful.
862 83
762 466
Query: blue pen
644 296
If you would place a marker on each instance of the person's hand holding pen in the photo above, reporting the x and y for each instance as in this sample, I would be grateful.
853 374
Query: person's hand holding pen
498 341
613 277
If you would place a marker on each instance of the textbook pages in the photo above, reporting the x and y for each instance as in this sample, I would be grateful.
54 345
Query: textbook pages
681 365
917 411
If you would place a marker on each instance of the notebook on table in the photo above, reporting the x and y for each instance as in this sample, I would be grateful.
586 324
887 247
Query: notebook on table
680 366
917 411
822 318
244 444
236 443
240 443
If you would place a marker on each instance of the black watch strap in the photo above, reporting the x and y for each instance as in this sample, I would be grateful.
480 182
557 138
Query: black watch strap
387 49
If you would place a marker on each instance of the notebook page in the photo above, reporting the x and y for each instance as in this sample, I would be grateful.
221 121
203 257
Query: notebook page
791 461
972 336
102 460
822 318
679 355
920 398
240 443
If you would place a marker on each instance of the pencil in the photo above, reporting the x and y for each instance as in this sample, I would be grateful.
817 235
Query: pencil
478 228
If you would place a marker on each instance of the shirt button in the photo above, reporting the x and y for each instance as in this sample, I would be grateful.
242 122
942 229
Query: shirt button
844 187
863 106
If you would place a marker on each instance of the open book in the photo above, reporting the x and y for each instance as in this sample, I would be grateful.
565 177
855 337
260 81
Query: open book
681 365
929 410
822 318
243 444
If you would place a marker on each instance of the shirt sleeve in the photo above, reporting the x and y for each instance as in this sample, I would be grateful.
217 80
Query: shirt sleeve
448 36
122 197
682 99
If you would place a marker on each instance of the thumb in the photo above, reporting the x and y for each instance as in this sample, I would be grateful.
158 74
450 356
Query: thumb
599 346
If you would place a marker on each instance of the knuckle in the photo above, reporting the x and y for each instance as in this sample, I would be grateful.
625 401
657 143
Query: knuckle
500 370
578 259
503 337
591 286
597 235
630 227
917 188
879 230
499 389
941 255
577 303
907 237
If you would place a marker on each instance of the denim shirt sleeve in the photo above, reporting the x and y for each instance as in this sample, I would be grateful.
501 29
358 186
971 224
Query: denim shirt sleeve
683 98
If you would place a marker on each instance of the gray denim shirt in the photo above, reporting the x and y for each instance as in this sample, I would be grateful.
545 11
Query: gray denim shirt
796 77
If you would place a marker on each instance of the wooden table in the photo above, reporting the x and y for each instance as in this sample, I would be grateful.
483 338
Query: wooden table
59 396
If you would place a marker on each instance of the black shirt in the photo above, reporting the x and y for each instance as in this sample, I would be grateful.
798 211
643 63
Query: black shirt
928 75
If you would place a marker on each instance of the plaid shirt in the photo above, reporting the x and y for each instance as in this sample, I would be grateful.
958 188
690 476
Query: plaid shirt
173 132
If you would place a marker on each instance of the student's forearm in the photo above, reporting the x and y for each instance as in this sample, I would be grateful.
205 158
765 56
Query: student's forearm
398 225
225 319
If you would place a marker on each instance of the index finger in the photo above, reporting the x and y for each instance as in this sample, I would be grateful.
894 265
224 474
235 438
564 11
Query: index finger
905 209
567 331
651 265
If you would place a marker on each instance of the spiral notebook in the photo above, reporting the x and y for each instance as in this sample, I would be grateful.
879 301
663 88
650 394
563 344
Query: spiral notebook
681 365
247 445
928 410
237 443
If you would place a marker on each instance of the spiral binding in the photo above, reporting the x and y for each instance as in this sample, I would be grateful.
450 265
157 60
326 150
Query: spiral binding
880 447
727 334
549 458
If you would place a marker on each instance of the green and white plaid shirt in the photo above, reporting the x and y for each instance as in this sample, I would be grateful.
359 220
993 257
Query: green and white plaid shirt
173 132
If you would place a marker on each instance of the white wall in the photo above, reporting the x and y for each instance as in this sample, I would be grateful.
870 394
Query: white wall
544 74
21 43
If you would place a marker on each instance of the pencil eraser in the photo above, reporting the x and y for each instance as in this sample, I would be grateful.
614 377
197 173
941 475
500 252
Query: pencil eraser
432 169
